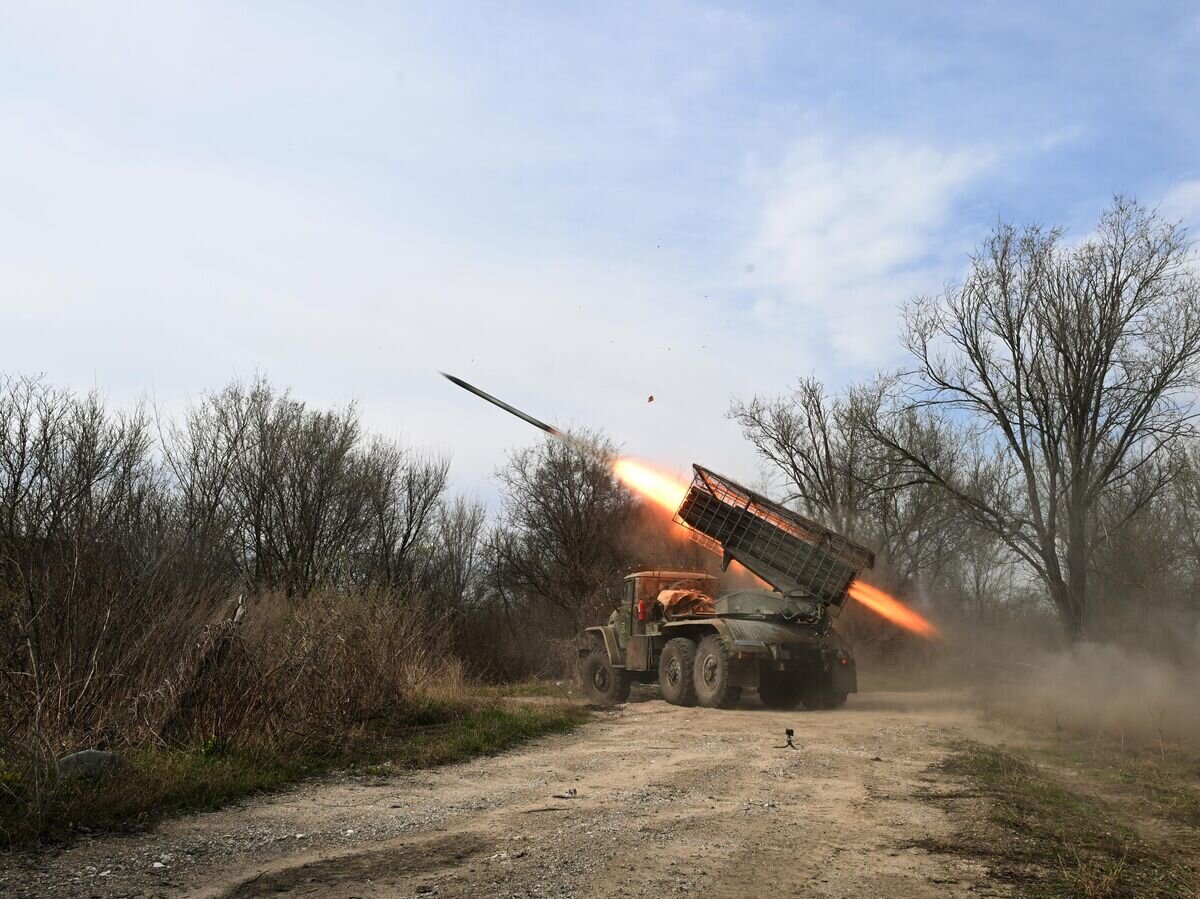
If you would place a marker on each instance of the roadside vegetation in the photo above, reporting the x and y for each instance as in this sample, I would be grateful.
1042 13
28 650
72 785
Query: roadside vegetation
1082 820
1095 790
256 590
254 593
158 782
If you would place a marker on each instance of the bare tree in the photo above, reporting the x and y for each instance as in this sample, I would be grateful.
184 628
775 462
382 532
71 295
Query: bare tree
838 474
807 437
201 454
454 576
407 488
297 497
1052 376
559 540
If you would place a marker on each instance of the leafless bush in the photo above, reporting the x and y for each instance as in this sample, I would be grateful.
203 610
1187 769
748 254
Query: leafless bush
122 548
560 537
91 551
299 499
313 670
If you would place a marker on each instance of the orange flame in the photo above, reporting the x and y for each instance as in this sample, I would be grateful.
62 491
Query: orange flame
892 609
654 485
668 492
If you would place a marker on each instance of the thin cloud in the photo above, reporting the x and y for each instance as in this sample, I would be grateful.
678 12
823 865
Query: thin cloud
550 200
849 229
1182 201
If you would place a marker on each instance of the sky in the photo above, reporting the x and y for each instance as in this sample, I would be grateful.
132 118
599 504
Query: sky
574 206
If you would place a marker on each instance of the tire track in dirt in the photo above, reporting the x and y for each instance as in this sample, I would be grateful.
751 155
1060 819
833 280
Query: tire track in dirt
669 801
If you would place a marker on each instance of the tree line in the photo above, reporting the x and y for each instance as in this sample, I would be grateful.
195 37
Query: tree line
1037 452
1041 433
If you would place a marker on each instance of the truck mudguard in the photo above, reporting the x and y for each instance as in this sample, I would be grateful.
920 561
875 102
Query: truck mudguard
607 636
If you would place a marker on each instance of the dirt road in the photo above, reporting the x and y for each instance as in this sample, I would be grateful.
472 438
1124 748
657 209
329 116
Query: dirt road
662 801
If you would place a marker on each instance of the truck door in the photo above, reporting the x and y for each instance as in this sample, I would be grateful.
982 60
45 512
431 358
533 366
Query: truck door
626 613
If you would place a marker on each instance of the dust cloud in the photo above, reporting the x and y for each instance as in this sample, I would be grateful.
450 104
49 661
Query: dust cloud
1104 689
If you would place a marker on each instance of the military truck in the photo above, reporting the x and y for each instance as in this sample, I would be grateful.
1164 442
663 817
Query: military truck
701 648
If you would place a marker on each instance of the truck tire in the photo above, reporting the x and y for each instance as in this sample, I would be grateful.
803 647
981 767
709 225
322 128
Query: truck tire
675 666
604 684
812 695
820 696
778 689
714 674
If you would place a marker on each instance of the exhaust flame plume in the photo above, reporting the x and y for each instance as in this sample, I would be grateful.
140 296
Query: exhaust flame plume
668 493
653 485
892 609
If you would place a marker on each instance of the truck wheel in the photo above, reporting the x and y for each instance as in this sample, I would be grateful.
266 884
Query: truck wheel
812 696
604 684
675 676
778 690
820 696
714 675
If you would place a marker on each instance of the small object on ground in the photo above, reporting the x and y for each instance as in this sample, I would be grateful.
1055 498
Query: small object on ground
789 734
567 794
876 758
650 399
90 763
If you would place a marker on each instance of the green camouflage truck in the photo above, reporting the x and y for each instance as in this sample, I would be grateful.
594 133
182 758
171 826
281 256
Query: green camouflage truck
701 648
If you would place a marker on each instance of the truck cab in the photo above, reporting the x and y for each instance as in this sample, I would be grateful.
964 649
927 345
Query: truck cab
639 613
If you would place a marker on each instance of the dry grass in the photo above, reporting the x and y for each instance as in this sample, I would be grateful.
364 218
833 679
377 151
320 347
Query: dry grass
1102 799
159 782
299 688
1157 783
1059 840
